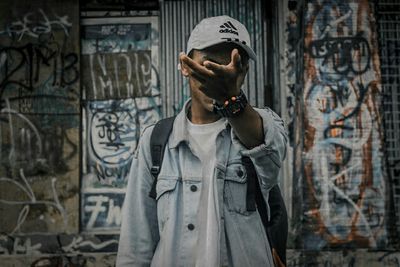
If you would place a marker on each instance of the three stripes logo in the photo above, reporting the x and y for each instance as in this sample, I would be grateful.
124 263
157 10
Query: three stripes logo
228 27
234 40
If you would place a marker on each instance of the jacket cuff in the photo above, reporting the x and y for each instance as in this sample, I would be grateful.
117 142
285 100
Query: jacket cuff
269 133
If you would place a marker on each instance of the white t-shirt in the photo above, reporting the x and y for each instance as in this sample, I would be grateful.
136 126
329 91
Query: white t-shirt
202 139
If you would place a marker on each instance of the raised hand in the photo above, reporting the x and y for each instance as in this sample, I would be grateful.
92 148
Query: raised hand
217 81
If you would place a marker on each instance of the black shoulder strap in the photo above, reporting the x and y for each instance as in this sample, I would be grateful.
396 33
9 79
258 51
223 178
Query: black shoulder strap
277 227
158 142
254 199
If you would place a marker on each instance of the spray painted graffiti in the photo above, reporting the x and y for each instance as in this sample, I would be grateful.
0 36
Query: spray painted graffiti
39 121
37 67
78 243
65 250
339 52
121 85
344 186
350 258
35 24
20 246
31 61
29 155
116 38
68 244
32 201
117 75
113 129
117 60
102 210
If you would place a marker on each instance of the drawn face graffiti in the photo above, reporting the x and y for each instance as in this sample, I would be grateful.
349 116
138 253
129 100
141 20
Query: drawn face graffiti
113 137
344 188
339 57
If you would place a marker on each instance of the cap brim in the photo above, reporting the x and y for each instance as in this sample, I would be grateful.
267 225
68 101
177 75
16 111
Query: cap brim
249 51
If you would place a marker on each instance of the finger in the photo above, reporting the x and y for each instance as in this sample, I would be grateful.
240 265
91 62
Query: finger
196 67
198 76
180 55
236 59
192 73
214 67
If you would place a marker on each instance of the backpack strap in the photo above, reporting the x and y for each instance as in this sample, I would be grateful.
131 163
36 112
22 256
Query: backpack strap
251 185
254 199
278 224
158 142
277 227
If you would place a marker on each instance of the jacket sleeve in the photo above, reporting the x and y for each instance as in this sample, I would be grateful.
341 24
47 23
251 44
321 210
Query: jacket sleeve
139 234
267 157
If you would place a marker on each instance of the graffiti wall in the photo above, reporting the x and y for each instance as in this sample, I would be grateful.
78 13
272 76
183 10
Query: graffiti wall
344 186
39 117
72 108
121 97
76 93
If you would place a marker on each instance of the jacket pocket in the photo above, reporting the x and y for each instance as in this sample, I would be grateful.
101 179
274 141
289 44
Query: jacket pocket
165 189
235 191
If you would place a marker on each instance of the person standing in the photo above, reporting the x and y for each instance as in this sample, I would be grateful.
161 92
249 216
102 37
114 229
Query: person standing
199 216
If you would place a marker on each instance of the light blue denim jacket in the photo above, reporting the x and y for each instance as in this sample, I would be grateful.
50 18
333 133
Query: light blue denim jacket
157 232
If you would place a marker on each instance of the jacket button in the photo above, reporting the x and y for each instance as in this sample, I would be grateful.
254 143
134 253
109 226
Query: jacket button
193 188
190 226
239 173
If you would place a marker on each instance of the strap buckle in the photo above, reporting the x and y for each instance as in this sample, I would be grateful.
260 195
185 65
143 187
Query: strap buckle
155 170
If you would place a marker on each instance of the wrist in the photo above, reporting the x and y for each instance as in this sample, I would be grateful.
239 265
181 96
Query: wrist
228 96
232 106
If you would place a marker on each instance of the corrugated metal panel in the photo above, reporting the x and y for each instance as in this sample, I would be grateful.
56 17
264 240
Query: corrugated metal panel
178 18
388 18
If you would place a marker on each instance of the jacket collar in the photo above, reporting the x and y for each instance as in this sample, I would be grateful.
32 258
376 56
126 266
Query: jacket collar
179 131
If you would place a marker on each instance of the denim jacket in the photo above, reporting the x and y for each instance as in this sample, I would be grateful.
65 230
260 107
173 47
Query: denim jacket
161 232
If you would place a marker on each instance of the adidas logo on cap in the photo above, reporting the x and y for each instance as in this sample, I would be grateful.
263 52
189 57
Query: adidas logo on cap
228 27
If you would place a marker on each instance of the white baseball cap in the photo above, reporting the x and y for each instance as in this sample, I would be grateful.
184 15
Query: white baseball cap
221 29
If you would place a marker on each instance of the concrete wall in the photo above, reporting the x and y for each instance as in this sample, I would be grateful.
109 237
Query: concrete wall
72 109
40 114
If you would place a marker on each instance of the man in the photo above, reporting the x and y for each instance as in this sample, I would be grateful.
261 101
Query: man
199 215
